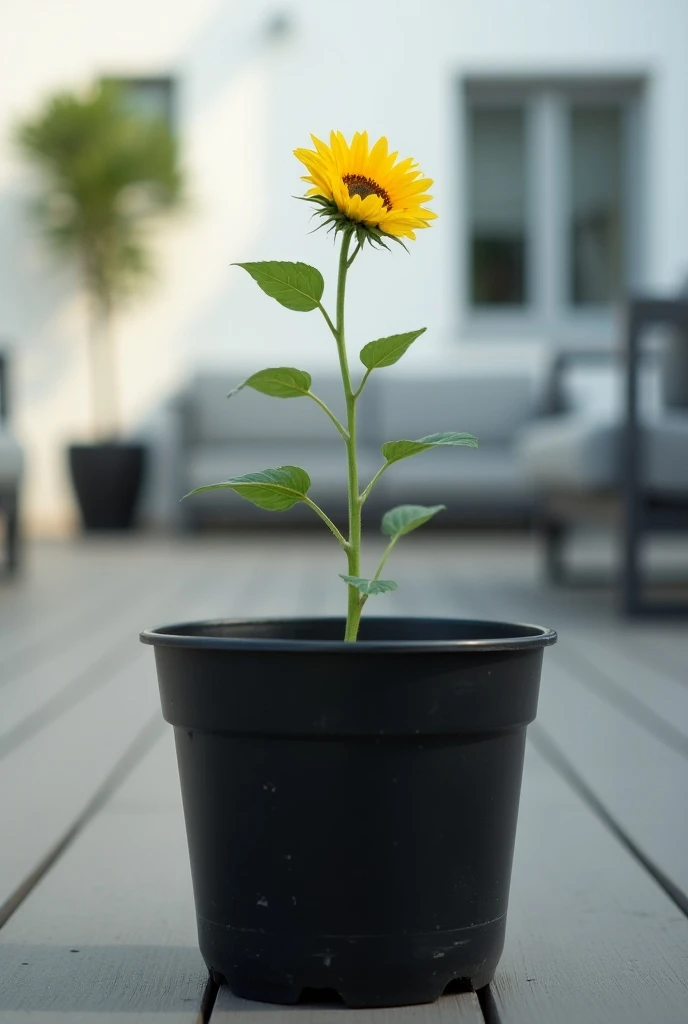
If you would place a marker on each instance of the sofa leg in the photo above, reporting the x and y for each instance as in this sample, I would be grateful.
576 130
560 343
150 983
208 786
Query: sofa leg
10 508
554 537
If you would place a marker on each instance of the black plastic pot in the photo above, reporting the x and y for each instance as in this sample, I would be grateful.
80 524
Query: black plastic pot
107 480
350 808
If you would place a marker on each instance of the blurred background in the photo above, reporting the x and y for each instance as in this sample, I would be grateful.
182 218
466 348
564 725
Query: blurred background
145 147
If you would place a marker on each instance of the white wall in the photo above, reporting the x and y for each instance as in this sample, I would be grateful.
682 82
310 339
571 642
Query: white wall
246 100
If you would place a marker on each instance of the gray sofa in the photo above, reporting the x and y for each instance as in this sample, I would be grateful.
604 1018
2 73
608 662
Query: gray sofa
205 438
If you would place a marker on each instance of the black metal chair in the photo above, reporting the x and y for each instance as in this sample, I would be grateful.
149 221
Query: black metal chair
643 513
637 487
10 475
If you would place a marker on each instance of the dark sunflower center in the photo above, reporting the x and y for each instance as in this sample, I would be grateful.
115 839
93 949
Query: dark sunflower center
359 185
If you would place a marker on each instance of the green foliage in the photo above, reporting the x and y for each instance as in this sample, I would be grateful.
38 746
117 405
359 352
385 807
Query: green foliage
295 285
300 287
106 172
273 489
278 382
394 451
369 587
404 518
387 351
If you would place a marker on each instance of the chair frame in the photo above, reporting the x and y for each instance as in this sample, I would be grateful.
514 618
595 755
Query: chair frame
628 508
9 496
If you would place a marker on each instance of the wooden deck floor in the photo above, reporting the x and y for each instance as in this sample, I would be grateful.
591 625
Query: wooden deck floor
96 912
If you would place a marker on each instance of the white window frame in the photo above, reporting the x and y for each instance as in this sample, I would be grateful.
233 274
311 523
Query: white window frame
548 312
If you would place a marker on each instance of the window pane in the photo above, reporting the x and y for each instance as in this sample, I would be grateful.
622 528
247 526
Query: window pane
498 214
149 97
596 218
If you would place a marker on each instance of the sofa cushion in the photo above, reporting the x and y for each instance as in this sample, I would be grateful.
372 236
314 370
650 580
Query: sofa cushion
491 406
253 417
10 460
599 392
456 477
576 453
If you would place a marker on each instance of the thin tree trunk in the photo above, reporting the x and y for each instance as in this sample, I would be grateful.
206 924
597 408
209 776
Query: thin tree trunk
103 370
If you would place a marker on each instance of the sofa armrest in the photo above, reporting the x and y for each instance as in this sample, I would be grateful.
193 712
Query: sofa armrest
554 399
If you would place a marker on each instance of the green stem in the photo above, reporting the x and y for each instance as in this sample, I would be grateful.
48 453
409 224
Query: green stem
387 553
363 383
372 483
354 549
354 254
328 321
328 522
329 412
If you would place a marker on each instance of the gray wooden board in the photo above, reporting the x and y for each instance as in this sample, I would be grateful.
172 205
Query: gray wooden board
121 892
591 938
72 610
642 783
652 698
79 663
451 1009
109 934
610 656
47 782
587 923
636 773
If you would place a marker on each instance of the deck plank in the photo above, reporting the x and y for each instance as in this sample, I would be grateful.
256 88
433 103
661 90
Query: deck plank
109 935
636 766
454 1009
77 664
641 781
49 781
128 852
590 937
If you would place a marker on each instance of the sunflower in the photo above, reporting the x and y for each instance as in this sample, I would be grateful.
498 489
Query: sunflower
366 190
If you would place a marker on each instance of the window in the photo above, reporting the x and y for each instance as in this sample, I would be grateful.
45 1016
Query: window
498 206
552 204
152 97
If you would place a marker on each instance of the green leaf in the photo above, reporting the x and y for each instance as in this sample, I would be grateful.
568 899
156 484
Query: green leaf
404 518
278 382
369 587
387 351
274 489
295 285
394 451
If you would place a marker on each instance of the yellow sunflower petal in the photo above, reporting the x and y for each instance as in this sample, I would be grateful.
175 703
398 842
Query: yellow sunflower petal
371 209
369 185
322 148
340 152
378 155
359 153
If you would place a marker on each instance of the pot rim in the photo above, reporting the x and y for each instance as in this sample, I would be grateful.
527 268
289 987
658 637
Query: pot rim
516 636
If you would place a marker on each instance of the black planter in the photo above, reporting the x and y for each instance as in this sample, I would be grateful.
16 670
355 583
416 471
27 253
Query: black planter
107 480
350 808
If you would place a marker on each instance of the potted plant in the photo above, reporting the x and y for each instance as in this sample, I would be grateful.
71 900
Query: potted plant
107 171
350 787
